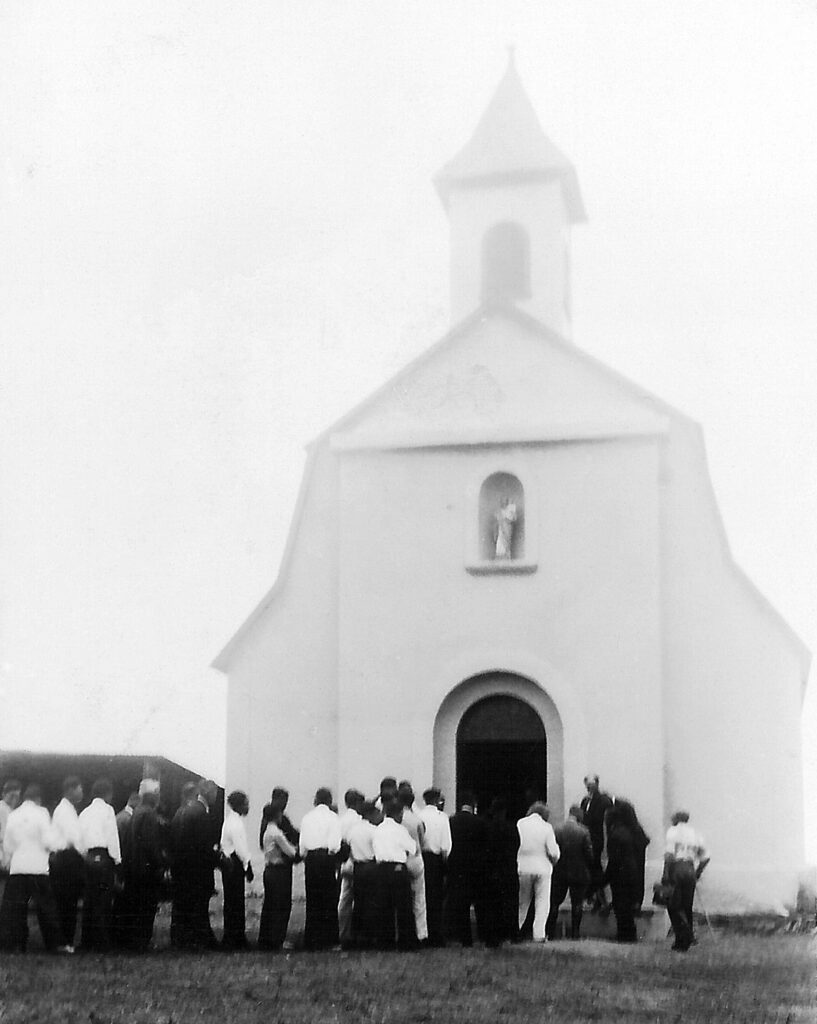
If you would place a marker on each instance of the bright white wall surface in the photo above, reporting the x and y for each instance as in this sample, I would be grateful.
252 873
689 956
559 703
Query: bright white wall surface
732 691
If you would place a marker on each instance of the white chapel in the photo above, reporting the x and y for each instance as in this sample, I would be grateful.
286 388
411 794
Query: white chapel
506 569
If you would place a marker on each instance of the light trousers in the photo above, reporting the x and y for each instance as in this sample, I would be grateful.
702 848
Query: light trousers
537 886
346 900
417 877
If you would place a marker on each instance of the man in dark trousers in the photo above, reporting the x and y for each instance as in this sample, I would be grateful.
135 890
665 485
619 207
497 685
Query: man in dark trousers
179 912
594 807
571 872
148 860
466 872
194 863
502 877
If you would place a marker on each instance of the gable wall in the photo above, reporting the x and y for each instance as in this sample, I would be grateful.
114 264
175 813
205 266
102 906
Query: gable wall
733 697
410 610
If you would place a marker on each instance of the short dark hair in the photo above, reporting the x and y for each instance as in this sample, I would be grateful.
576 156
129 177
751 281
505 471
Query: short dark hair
353 798
33 792
69 783
12 786
367 809
392 809
323 796
431 796
102 789
405 794
279 794
237 800
389 782
576 812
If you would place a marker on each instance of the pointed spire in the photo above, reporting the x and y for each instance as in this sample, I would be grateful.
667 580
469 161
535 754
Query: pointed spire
509 145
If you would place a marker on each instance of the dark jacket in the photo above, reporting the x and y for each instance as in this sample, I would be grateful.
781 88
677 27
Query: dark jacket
576 853
622 860
194 840
594 808
469 839
147 851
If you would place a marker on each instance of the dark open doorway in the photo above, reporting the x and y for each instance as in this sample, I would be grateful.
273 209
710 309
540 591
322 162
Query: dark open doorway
502 752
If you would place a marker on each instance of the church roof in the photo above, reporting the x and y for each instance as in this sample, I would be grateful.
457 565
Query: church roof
510 145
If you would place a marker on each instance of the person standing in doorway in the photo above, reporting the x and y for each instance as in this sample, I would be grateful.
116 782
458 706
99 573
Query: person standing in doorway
466 872
594 807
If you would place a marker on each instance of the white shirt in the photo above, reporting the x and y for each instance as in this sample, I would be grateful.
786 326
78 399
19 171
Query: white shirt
28 839
234 837
97 826
277 848
348 820
437 837
320 830
684 843
537 840
392 844
65 824
361 841
5 811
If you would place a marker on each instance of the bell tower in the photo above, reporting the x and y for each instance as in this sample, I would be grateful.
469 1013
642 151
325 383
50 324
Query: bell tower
511 197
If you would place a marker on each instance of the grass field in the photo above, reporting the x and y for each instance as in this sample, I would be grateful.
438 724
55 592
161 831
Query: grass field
728 978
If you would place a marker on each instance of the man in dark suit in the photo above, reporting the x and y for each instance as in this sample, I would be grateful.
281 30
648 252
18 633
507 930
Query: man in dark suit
466 872
594 806
148 860
571 872
194 861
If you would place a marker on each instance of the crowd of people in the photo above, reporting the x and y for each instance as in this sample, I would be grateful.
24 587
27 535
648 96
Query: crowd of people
386 873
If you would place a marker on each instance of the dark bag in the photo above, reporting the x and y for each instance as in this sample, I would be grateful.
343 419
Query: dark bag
662 893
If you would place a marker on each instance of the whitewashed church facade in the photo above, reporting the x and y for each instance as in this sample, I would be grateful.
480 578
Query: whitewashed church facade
506 569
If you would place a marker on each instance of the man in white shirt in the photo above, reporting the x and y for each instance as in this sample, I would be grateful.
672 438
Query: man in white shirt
27 843
435 844
392 847
685 857
319 846
10 802
538 852
67 862
348 820
361 847
412 823
235 868
100 842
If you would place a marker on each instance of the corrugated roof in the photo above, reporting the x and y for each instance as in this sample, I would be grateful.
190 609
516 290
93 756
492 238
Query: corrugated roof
509 144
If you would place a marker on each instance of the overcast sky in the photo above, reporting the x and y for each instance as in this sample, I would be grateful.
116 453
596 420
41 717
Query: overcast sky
219 232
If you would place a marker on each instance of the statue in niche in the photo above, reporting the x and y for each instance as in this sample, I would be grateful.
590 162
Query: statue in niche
505 517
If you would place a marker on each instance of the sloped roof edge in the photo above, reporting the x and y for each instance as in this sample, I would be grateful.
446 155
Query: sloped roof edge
223 659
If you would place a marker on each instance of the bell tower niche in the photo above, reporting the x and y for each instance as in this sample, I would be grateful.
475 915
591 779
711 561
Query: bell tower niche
511 198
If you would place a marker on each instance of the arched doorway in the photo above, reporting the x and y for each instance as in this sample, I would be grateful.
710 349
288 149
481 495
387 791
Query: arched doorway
502 752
